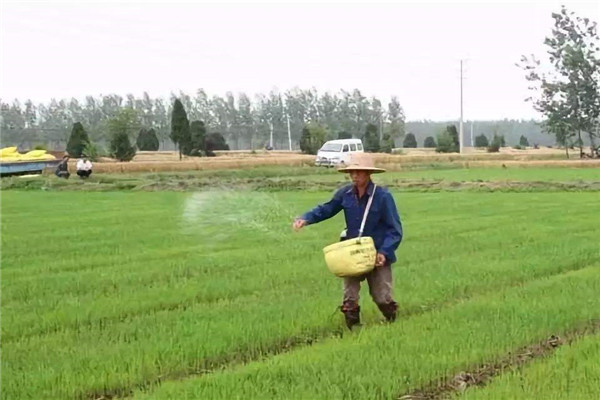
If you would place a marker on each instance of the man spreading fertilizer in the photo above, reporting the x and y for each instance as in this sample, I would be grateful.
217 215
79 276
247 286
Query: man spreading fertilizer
370 211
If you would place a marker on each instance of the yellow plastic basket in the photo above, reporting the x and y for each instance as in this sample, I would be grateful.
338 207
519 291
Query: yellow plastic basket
353 257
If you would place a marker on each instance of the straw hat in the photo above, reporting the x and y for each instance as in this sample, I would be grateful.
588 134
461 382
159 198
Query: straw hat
361 162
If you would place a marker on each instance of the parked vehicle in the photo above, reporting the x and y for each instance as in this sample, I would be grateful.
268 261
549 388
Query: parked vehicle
336 152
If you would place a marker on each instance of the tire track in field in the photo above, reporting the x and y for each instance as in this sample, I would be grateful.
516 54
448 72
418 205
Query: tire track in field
293 343
481 375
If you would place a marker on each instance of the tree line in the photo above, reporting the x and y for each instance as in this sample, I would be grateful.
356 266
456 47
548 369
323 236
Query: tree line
191 138
245 123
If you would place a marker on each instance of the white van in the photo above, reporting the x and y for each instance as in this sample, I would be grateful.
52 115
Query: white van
337 152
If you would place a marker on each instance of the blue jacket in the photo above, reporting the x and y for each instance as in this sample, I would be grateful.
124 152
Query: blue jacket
383 222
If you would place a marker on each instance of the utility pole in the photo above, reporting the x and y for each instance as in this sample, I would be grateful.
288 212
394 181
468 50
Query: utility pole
289 130
472 140
460 133
271 139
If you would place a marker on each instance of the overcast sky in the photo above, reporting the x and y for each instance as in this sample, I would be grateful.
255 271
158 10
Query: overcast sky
60 50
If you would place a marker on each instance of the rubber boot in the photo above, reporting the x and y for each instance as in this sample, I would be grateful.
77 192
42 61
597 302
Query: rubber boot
351 312
389 310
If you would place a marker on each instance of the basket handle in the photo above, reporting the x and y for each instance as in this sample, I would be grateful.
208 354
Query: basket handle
364 220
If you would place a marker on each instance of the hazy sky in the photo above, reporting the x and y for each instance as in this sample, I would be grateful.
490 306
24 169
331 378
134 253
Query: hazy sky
412 50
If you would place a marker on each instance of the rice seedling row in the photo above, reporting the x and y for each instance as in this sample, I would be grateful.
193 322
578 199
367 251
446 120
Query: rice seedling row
411 353
570 373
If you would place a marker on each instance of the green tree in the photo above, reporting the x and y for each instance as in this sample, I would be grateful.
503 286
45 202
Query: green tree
448 140
119 129
523 141
481 141
387 143
198 136
312 138
344 135
180 128
147 140
306 141
77 141
246 120
496 144
454 135
396 118
429 142
569 94
563 134
121 148
371 139
409 141
93 151
214 141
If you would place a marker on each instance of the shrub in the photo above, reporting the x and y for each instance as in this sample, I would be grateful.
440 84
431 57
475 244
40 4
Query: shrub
409 141
198 138
523 141
371 139
312 138
121 148
147 140
387 144
481 141
429 142
92 151
214 141
497 142
448 141
119 128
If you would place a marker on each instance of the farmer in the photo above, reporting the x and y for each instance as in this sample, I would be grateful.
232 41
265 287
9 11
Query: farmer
383 225
62 170
84 168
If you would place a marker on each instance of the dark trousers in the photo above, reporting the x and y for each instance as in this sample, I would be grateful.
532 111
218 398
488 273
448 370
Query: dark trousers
63 174
84 174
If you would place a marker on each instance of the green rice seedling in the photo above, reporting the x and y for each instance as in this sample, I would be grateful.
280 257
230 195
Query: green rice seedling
129 288
571 373
385 362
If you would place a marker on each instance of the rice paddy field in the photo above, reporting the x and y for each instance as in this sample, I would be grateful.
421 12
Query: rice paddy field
192 285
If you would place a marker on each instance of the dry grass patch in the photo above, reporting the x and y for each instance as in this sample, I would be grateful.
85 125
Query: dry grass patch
190 164
165 161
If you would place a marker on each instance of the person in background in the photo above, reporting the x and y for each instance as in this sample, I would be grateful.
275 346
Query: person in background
62 171
84 168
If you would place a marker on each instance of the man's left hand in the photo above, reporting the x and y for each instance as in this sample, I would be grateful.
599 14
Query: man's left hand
380 260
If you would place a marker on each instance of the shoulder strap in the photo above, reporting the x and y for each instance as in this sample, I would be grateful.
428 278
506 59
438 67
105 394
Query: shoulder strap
364 220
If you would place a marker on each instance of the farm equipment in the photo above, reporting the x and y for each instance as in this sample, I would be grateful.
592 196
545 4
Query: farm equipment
33 162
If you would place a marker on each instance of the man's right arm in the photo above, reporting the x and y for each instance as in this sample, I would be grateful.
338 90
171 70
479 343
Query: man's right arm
325 210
